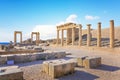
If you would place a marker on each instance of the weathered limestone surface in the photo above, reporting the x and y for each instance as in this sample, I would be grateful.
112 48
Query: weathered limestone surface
112 34
99 35
58 68
92 62
3 60
80 35
22 58
46 64
80 60
11 74
88 34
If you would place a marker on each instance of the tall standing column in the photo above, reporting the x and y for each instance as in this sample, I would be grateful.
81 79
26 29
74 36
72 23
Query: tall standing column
73 35
21 37
57 37
99 35
37 35
15 37
62 38
36 39
66 36
80 35
111 33
31 37
88 35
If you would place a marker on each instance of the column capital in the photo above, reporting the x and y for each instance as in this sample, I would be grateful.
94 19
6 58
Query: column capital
79 25
88 24
111 20
99 22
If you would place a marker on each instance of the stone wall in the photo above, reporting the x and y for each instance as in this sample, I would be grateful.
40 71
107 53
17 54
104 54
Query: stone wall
22 58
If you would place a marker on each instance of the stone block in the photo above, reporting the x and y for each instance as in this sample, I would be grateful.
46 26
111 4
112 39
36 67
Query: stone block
56 70
92 62
3 60
59 54
10 57
60 68
30 57
74 61
20 58
11 74
68 68
46 64
80 60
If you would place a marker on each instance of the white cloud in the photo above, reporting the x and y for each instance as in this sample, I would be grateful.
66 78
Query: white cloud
49 31
46 31
88 17
71 18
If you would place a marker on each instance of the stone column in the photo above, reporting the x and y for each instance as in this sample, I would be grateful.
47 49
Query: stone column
88 35
66 36
57 37
111 33
31 37
80 34
38 37
62 38
99 35
73 35
14 37
21 37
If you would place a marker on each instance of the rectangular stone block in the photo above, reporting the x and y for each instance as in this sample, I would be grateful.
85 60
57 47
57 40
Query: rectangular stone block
30 58
11 74
68 68
92 62
3 60
56 70
10 57
59 69
59 54
46 64
20 58
74 61
80 60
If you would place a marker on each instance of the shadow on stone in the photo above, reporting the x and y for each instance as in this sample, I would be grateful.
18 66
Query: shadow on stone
79 75
108 68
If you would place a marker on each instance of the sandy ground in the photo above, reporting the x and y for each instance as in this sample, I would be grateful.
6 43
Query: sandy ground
110 69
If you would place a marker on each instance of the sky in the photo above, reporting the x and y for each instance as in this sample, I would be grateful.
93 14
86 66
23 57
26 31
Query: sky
44 15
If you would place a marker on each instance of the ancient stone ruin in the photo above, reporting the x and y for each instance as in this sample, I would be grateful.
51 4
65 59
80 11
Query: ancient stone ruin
75 30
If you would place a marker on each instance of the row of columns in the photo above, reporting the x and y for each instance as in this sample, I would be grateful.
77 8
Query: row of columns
73 36
88 35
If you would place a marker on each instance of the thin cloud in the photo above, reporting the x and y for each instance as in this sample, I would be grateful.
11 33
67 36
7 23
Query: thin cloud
46 31
88 17
71 18
49 31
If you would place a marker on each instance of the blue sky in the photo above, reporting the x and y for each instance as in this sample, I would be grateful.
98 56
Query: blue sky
43 15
